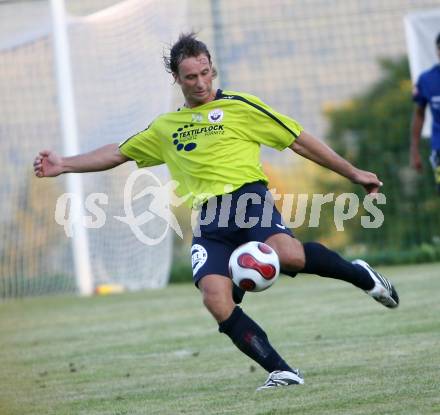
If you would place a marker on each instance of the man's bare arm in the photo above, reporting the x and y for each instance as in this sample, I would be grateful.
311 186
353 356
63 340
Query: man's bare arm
416 131
315 150
50 164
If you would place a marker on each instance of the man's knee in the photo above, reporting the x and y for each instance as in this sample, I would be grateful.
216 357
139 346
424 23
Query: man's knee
217 296
293 260
213 299
290 251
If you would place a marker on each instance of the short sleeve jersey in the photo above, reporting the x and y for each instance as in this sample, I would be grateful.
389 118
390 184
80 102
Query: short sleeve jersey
213 148
427 92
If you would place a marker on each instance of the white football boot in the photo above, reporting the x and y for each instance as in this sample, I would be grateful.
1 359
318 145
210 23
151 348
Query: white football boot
383 291
282 378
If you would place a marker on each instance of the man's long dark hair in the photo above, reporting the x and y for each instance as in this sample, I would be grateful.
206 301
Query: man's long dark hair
188 46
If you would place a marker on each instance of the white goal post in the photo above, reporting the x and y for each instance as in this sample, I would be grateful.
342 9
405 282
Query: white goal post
119 86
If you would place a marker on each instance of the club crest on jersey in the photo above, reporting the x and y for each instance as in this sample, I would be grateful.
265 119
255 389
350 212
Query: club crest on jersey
215 115
198 257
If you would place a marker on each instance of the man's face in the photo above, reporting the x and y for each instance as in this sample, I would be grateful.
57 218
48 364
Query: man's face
195 79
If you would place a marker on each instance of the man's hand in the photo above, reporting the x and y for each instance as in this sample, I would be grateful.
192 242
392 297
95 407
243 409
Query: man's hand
416 161
416 131
48 164
368 180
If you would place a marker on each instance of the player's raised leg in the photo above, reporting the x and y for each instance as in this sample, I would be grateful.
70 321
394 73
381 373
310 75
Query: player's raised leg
315 258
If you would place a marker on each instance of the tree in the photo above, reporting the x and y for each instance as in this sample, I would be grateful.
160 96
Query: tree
372 130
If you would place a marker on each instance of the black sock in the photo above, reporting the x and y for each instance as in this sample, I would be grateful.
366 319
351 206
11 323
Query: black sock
250 338
237 294
326 263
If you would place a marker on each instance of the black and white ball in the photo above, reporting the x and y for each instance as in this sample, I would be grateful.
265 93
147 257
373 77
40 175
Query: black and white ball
254 266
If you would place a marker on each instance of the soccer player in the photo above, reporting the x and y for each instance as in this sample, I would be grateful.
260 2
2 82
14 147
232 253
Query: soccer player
212 144
427 92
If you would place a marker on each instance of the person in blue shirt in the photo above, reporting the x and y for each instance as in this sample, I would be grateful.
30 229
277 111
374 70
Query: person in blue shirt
427 93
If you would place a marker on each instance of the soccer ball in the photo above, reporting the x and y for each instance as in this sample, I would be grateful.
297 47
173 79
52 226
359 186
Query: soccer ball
254 266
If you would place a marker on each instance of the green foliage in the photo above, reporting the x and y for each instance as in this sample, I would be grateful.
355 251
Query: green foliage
181 271
373 132
415 255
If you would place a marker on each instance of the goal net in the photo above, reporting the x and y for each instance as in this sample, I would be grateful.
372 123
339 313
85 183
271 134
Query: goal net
119 86
338 67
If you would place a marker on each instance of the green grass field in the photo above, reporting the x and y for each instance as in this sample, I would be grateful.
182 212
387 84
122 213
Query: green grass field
159 352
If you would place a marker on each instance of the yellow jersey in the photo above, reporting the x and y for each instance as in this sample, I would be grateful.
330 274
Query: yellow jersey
213 148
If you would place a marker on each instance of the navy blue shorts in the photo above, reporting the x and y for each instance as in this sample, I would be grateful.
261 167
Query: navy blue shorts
230 220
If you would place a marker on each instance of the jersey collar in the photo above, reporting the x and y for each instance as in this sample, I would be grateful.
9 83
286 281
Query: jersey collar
218 95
